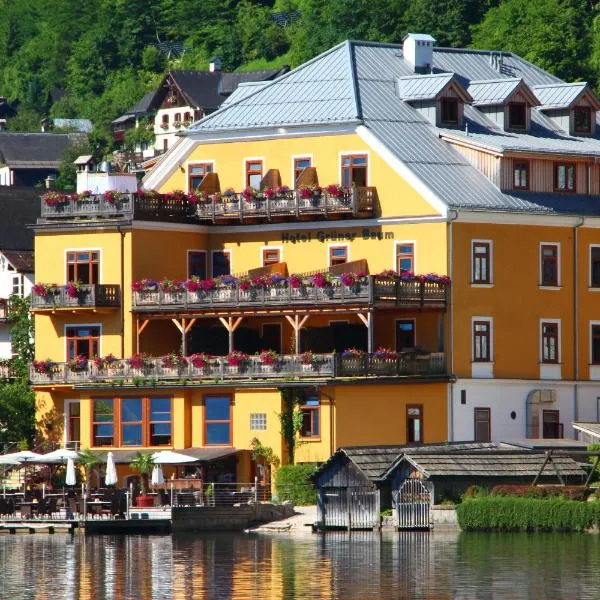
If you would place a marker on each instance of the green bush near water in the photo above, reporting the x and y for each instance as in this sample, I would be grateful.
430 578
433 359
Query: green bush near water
496 513
292 483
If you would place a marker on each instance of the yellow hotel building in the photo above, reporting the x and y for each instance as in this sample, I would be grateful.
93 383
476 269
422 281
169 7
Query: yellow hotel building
322 216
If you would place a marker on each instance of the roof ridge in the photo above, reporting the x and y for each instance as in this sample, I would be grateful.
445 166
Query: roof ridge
563 84
426 75
500 80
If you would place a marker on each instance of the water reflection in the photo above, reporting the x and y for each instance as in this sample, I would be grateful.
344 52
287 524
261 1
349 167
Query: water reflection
335 566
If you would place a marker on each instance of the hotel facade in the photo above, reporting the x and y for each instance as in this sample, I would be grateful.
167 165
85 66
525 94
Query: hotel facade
412 231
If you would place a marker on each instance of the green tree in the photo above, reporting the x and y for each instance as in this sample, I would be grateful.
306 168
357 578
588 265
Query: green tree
26 120
90 461
291 421
67 174
21 335
143 464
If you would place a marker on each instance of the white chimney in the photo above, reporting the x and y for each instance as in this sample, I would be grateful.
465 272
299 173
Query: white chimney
418 51
2 124
214 65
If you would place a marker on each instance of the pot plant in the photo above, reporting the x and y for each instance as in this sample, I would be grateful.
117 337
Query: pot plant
143 464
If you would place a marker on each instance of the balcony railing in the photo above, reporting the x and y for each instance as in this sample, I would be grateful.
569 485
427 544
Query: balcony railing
89 296
358 202
373 290
328 366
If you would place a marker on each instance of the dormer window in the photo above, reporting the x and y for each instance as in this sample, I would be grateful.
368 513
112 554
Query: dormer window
517 115
449 111
582 119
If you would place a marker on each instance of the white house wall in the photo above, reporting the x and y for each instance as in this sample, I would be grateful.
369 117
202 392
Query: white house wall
5 345
503 397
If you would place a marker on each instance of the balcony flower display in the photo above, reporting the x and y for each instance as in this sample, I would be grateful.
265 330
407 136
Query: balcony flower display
172 286
74 289
145 285
236 358
82 196
229 195
250 194
104 362
174 361
245 284
227 280
199 360
139 361
353 353
113 197
282 190
164 126
321 280
268 357
177 124
45 290
276 280
55 198
175 196
43 367
335 191
348 279
187 122
307 192
296 282
79 363
269 193
307 358
385 354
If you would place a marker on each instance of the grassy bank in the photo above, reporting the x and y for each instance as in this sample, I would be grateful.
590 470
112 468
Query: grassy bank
493 513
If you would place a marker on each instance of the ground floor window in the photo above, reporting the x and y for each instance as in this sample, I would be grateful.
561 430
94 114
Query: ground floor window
217 421
483 424
141 421
414 424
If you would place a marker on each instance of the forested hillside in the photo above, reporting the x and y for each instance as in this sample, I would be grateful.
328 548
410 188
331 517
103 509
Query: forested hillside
105 53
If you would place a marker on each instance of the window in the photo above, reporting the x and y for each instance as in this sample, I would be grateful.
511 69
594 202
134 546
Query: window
481 262
73 422
521 175
271 256
217 421
138 421
254 173
221 263
197 264
582 119
405 334
82 340
299 165
177 118
549 265
551 427
354 170
83 266
594 266
17 285
310 410
414 424
482 424
564 177
187 117
405 257
165 121
197 173
595 334
517 115
481 341
103 426
165 145
550 343
338 255
449 109
258 421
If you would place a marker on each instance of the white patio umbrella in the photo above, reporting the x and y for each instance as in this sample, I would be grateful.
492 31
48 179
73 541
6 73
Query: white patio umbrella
111 471
25 456
70 479
157 475
59 456
8 460
168 457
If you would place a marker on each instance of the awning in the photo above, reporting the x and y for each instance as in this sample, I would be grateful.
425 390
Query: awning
200 454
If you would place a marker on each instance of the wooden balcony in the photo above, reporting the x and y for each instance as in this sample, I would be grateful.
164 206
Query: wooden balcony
323 366
219 209
373 290
90 296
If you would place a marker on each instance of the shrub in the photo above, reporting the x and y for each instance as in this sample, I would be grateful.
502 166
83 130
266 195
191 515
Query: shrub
474 491
569 492
526 514
292 483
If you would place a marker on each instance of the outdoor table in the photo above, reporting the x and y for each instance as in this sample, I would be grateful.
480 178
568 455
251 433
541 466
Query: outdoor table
27 508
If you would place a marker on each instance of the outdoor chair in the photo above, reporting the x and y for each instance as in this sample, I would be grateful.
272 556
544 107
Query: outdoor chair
73 507
25 511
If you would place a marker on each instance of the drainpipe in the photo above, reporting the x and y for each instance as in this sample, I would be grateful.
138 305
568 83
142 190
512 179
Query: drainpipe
452 216
122 315
331 399
576 314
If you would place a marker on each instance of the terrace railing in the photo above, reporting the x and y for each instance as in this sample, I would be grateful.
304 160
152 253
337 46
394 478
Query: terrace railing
370 290
89 296
357 202
285 367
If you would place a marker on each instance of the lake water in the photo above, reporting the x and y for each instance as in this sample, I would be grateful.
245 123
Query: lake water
366 566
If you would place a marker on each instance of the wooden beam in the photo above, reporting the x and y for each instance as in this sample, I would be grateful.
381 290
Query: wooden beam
592 471
297 324
178 324
190 325
139 329
542 467
367 320
231 326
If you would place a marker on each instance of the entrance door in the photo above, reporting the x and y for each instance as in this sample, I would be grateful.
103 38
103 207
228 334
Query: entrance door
405 334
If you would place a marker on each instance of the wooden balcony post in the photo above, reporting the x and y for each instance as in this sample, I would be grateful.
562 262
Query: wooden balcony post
140 327
367 319
297 324
184 327
231 324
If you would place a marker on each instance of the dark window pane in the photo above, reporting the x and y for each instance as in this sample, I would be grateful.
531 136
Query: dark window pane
160 409
131 409
217 409
131 435
217 433
103 410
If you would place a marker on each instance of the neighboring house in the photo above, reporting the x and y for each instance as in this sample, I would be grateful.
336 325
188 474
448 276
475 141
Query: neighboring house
6 110
27 159
79 125
448 278
182 98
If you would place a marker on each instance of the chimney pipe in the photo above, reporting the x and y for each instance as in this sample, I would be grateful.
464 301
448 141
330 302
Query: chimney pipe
2 124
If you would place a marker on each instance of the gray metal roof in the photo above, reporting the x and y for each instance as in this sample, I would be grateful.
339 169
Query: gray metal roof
243 90
559 95
589 427
82 125
495 91
34 150
423 87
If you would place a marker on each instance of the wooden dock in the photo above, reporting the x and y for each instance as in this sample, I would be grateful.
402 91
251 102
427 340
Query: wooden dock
51 527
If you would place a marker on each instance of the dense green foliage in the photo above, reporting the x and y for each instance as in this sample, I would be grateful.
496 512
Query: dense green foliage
500 513
292 483
104 53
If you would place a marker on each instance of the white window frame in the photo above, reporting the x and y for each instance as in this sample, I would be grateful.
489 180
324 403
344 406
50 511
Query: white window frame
344 153
558 266
100 335
258 428
187 260
333 245
191 163
594 369
294 157
491 265
20 284
66 412
395 257
490 321
222 250
263 248
590 287
83 249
